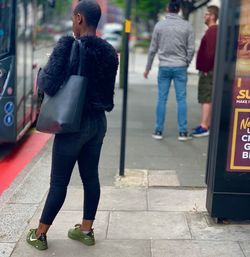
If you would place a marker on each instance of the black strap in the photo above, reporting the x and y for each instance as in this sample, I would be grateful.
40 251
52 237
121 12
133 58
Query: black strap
82 56
73 49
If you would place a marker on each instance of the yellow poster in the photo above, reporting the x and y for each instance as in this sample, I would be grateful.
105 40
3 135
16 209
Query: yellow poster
239 141
243 53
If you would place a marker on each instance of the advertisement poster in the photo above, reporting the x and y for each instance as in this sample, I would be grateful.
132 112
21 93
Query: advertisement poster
239 141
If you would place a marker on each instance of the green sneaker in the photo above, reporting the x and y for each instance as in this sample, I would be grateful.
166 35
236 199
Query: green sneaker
76 234
39 243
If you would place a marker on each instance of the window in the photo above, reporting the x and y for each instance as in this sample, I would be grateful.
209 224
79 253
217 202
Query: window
5 20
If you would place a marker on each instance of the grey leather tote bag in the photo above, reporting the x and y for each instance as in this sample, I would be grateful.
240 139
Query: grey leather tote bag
62 113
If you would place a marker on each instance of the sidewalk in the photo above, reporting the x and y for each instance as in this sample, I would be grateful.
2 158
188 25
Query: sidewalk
157 210
131 221
187 160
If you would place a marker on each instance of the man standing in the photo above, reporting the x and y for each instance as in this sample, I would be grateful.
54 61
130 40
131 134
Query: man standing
173 39
205 65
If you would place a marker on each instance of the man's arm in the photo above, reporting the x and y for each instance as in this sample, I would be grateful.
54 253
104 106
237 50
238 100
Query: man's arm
152 51
210 46
191 45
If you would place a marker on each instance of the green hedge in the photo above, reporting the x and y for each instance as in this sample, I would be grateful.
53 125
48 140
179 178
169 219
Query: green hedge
142 43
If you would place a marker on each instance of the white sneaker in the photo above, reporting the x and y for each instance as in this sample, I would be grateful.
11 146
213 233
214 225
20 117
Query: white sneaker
157 135
183 136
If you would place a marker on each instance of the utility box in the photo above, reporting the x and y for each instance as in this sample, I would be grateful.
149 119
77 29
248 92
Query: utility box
228 165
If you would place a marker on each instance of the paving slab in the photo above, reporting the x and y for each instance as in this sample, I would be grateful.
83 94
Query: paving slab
132 178
191 177
152 163
245 246
42 157
202 230
161 163
148 225
70 248
142 145
176 200
6 249
34 187
158 178
111 199
189 248
109 161
123 199
107 175
13 220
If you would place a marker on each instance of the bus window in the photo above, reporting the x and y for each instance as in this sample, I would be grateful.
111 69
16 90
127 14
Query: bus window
5 15
25 39
29 60
21 64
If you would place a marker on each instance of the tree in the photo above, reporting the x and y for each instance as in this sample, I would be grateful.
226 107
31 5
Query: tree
59 9
145 10
150 9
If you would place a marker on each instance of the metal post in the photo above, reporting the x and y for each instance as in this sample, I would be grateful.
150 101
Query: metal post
124 72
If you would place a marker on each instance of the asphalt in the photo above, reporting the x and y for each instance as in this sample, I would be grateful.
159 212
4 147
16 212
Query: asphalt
156 210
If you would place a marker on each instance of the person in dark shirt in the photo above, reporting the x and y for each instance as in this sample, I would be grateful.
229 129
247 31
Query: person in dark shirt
205 65
83 147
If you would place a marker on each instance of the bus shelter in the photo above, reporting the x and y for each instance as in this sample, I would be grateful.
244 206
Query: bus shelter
228 166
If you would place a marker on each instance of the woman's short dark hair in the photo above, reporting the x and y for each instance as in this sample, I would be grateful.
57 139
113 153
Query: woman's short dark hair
174 6
91 11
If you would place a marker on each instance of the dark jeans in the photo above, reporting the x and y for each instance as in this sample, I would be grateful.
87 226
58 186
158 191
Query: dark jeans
85 148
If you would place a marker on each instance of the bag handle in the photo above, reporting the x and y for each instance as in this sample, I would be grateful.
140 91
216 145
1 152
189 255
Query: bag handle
82 57
73 49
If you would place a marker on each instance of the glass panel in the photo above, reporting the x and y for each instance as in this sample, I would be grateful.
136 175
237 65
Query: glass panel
29 61
5 20
239 148
243 53
20 58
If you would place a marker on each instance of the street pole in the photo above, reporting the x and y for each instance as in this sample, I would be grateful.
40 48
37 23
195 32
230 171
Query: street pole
124 81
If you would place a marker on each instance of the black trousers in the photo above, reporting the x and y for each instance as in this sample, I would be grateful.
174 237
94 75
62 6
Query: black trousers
84 148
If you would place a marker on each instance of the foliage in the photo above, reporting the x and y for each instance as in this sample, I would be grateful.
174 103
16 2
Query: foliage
143 43
149 9
61 7
145 9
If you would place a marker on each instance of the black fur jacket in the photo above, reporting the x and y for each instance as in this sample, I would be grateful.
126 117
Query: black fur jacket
100 67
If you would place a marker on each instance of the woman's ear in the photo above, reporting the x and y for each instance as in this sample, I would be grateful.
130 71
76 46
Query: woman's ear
79 18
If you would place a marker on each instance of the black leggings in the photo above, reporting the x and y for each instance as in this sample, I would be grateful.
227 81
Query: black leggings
83 147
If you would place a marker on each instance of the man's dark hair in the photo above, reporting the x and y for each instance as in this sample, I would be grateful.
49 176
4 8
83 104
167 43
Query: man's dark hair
174 6
91 11
213 9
